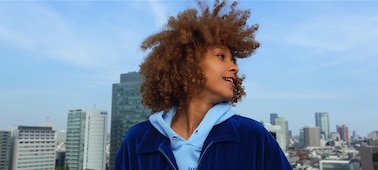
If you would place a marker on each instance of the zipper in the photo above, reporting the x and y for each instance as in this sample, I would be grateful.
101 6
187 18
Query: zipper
203 154
166 157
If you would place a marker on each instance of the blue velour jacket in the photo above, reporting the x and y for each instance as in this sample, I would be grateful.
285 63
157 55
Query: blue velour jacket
237 143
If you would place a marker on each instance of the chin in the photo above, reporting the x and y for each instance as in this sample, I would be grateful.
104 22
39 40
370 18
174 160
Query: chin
227 99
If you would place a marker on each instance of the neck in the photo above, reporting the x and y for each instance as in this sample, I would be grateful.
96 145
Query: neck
187 119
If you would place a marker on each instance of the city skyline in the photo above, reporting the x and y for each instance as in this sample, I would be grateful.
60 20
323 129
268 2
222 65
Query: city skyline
317 56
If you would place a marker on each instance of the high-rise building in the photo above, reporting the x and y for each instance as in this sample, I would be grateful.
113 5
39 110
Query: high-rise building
373 135
335 136
273 117
322 121
60 139
301 139
127 110
282 134
310 136
273 129
60 136
355 135
369 156
5 149
344 132
33 147
86 139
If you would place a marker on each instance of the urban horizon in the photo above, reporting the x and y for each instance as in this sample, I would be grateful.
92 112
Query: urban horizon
315 56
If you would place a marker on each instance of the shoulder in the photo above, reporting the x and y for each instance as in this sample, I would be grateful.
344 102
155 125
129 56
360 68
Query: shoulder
247 124
140 126
138 130
253 132
245 120
249 129
248 137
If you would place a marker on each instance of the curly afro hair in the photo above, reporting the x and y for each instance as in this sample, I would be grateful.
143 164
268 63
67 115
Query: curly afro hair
171 69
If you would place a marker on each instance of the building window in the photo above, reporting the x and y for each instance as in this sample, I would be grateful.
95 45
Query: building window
375 157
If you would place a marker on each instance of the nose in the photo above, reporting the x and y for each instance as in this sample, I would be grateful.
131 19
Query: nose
234 68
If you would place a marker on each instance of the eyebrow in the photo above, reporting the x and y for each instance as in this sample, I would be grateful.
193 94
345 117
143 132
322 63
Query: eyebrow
222 47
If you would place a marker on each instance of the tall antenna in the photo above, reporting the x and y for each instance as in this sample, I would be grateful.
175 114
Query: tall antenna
47 119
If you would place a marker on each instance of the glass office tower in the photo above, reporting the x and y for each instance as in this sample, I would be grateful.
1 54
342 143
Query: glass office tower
282 135
5 149
86 139
273 117
127 110
322 121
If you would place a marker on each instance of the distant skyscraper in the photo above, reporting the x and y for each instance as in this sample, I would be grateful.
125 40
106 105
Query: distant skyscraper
373 135
86 139
5 149
355 135
127 110
335 136
60 136
302 138
344 132
310 136
322 121
33 148
282 134
273 117
273 129
369 156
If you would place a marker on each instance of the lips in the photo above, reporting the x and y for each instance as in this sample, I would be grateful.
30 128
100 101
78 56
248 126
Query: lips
230 79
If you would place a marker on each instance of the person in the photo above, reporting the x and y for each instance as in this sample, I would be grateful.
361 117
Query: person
191 84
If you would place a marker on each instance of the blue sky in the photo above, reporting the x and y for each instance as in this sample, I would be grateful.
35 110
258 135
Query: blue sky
315 56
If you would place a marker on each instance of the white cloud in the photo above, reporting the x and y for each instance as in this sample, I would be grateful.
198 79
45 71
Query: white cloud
159 11
345 33
45 32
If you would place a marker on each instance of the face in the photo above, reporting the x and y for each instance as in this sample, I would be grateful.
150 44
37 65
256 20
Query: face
220 71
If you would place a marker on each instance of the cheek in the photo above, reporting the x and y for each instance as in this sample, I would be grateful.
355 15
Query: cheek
211 68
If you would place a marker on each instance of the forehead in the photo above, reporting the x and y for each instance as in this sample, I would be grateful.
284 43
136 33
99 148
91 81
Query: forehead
212 47
218 49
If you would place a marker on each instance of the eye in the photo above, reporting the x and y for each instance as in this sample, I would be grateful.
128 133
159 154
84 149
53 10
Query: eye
221 56
233 60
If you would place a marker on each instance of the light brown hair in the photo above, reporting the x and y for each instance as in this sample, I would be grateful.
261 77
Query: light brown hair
171 69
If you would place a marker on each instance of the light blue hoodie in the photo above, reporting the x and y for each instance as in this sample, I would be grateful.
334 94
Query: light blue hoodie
187 152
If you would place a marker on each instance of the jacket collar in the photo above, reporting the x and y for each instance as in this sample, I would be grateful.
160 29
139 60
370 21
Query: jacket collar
223 132
153 140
